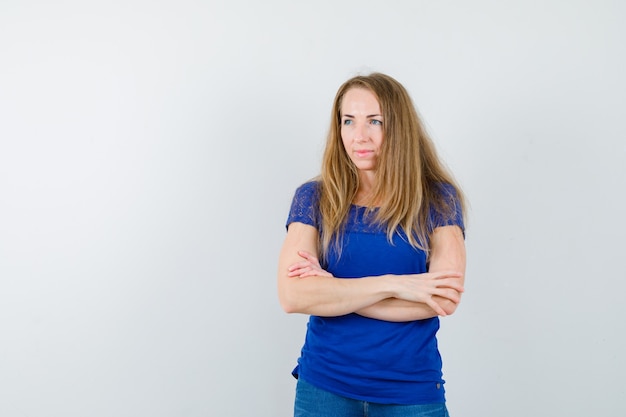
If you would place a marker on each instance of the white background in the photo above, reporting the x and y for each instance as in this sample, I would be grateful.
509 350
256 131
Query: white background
149 151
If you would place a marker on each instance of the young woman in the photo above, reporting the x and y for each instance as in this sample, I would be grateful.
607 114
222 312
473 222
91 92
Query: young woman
374 253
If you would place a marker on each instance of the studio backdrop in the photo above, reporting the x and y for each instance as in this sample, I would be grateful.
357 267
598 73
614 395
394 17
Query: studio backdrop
149 151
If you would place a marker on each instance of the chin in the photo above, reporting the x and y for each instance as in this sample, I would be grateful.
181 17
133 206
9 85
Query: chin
366 167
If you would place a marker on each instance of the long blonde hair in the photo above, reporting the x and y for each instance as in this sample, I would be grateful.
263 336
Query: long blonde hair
409 174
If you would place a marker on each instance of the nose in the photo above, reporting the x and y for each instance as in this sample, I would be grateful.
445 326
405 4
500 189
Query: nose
360 133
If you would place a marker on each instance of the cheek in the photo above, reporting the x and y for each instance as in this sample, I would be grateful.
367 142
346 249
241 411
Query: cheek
343 134
378 140
344 140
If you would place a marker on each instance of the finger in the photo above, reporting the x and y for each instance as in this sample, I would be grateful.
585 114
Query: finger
314 273
299 272
448 292
446 274
297 265
456 287
436 307
453 283
305 254
309 256
451 295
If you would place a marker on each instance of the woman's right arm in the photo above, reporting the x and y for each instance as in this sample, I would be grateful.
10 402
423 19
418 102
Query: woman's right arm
319 293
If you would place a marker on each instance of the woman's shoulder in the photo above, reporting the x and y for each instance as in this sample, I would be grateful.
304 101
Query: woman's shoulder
304 206
310 188
447 207
446 189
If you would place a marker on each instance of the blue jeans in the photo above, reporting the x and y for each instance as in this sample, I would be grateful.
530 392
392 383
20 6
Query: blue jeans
314 402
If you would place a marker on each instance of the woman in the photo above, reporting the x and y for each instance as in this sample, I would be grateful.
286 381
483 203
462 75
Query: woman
374 253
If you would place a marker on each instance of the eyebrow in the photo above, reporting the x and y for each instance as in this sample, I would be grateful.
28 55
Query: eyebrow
368 116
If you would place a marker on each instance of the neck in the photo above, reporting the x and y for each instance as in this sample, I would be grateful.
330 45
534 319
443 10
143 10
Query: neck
363 195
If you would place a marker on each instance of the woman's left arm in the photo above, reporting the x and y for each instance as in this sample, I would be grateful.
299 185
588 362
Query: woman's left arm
447 253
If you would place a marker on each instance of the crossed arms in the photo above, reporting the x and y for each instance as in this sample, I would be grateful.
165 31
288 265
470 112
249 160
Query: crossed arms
304 287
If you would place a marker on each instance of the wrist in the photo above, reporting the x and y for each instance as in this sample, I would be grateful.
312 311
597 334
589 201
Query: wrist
389 287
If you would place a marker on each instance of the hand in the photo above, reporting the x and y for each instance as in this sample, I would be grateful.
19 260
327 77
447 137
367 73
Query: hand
307 268
425 287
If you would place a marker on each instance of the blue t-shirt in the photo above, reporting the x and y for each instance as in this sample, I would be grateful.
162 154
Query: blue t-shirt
359 357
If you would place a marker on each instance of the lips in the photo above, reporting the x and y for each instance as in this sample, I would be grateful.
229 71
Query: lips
363 153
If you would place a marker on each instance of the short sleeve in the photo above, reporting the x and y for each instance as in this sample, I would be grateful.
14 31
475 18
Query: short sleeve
304 206
453 216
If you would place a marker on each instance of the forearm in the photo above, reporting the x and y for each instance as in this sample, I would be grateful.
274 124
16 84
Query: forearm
393 309
330 296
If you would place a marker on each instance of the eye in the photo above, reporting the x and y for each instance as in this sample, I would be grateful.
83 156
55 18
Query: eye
376 122
347 122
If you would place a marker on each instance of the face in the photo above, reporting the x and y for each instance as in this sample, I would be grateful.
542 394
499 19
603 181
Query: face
362 128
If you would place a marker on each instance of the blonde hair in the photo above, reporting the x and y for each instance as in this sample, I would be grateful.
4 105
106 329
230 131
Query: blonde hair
409 174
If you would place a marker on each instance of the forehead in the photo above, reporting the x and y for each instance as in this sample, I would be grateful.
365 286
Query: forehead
359 99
